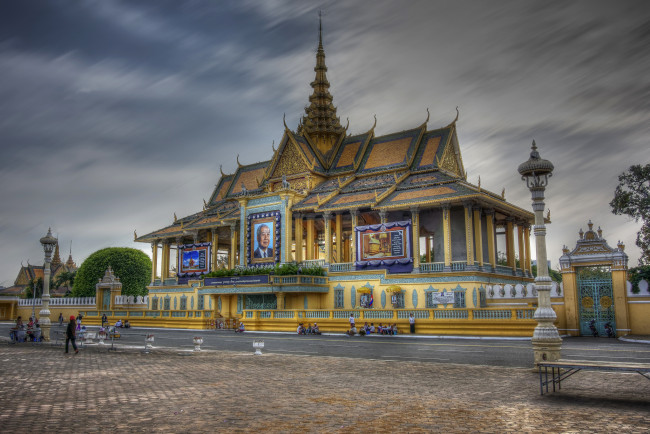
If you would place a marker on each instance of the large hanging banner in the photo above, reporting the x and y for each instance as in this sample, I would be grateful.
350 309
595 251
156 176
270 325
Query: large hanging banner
193 259
263 238
384 246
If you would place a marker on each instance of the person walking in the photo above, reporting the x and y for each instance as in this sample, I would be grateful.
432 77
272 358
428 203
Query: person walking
412 323
71 335
60 319
104 319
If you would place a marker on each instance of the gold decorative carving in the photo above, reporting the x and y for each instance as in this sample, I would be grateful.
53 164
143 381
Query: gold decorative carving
448 161
290 162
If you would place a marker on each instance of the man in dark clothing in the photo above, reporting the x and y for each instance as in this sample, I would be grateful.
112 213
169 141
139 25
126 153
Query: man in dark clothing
71 335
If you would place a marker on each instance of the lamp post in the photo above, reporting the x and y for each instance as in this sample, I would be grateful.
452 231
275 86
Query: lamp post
546 340
48 242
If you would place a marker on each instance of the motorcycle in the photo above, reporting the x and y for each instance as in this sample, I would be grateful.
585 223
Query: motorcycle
610 330
592 327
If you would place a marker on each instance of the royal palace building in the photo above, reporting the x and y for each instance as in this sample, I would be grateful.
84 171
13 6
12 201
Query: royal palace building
391 220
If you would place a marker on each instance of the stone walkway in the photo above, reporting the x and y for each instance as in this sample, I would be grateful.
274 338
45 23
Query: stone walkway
43 390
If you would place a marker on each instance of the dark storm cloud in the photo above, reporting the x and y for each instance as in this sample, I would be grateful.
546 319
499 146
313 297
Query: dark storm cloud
117 114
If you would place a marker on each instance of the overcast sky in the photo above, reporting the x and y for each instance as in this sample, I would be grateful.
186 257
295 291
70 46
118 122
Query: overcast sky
114 115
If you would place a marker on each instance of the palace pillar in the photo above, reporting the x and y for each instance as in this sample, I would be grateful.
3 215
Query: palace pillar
478 235
489 216
279 296
354 214
382 216
427 247
339 238
415 219
520 242
164 273
214 239
446 234
233 246
510 244
179 243
328 237
154 261
309 247
529 266
298 236
469 236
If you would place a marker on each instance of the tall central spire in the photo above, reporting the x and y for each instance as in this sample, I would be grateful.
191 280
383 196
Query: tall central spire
320 121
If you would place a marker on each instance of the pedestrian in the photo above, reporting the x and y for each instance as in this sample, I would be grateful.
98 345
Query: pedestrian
79 322
104 319
71 335
412 323
60 319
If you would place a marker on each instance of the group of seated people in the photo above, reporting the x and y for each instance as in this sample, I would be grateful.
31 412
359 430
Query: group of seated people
241 328
309 330
381 329
120 324
20 332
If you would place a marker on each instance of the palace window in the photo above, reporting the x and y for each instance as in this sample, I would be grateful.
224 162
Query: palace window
430 301
459 299
183 303
397 300
167 303
338 299
200 303
154 303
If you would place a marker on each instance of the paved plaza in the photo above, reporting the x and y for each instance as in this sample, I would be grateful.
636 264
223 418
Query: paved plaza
169 390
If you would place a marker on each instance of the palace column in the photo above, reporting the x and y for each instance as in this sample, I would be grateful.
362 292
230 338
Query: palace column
154 260
520 242
215 247
233 246
286 230
469 235
446 234
528 256
164 273
179 243
339 238
309 247
489 215
298 236
382 216
354 214
346 248
415 219
478 235
328 237
510 244
427 247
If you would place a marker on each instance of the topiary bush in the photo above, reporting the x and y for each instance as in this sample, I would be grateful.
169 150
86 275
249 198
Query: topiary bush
132 266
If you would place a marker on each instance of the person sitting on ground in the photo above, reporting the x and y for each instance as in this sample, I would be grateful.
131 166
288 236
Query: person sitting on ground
395 328
315 329
19 323
241 328
309 329
366 328
119 324
126 324
300 330
372 327
380 329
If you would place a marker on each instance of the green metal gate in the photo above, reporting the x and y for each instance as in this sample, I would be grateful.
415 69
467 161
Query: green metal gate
596 301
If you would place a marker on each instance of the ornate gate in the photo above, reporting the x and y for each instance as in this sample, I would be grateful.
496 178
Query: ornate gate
596 300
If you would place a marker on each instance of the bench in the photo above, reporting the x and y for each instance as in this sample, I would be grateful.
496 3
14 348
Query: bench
563 369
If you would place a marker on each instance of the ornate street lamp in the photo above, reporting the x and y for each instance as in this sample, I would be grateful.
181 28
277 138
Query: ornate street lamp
48 242
546 340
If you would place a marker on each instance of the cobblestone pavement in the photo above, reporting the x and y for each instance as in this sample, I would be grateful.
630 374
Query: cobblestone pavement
44 390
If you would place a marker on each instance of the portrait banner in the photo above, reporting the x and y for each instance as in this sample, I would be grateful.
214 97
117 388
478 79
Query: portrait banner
263 239
193 259
384 246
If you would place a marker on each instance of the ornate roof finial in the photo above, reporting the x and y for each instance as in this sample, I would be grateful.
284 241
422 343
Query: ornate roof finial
428 116
479 183
273 146
135 235
238 163
375 124
456 119
205 204
175 218
221 170
320 121
503 193
284 120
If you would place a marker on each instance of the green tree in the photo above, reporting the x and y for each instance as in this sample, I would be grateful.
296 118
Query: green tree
637 274
29 291
632 198
132 266
65 278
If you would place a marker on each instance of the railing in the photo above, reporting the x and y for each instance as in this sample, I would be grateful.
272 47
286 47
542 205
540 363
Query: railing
432 267
514 314
503 269
458 265
342 267
314 263
298 280
65 301
131 300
